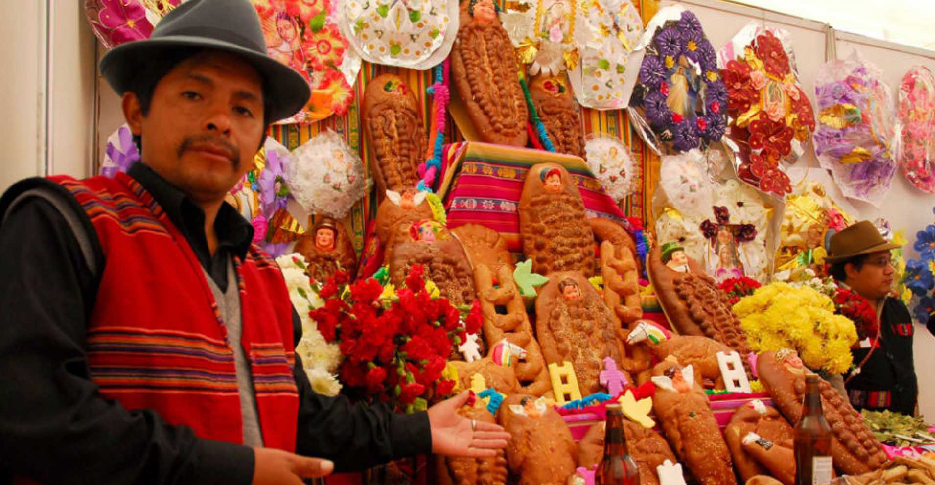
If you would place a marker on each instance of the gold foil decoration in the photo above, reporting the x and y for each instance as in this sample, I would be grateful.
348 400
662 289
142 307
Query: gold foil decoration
857 155
571 59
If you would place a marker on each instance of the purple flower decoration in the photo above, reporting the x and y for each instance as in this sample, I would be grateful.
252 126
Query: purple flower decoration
685 137
691 40
717 91
924 309
274 192
669 42
689 24
707 56
722 215
717 125
868 175
918 277
709 229
657 111
746 233
124 156
653 71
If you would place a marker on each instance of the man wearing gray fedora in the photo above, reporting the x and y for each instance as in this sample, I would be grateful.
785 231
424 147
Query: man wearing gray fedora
145 339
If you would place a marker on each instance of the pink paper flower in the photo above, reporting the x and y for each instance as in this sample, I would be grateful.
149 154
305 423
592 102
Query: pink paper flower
758 80
124 21
260 225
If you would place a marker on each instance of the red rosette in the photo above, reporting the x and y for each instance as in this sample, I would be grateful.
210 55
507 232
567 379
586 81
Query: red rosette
769 49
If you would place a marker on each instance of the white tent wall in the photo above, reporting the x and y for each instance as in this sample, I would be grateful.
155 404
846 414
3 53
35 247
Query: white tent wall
906 207
47 94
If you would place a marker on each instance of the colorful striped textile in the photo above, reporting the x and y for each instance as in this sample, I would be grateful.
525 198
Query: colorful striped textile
482 184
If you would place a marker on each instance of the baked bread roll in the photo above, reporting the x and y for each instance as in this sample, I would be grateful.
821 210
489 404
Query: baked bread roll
553 223
574 325
694 304
766 422
689 424
484 246
854 450
483 67
395 133
326 248
621 283
443 261
514 326
541 449
555 104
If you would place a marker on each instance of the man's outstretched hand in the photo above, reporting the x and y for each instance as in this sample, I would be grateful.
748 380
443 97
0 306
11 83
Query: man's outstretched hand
452 434
277 467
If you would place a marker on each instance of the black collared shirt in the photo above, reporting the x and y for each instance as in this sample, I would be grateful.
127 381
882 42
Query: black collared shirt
54 425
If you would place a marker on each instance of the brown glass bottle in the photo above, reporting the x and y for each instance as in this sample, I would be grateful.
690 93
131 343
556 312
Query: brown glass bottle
812 439
617 466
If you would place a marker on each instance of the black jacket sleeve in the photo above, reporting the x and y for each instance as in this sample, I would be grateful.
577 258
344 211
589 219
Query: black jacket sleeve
55 427
354 436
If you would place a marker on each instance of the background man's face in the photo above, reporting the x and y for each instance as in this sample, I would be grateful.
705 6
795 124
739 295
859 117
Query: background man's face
874 279
204 124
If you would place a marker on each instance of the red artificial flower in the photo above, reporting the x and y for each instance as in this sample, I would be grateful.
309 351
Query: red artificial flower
664 88
452 317
676 118
855 307
475 318
775 181
438 339
715 107
433 369
354 375
375 378
769 50
329 290
741 93
340 277
701 123
737 288
418 348
409 392
366 290
414 281
444 387
773 138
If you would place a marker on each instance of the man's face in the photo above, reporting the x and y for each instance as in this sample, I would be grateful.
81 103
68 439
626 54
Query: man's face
204 124
874 279
324 239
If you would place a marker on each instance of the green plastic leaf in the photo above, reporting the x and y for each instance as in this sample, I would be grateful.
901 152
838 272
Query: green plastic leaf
414 16
526 280
383 10
317 22
395 49
603 64
621 68
434 32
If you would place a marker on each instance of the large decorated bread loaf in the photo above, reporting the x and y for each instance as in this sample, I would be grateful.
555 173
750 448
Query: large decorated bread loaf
474 471
484 246
396 214
621 283
541 449
689 424
555 104
573 325
692 301
395 133
553 223
443 261
484 70
698 352
512 326
854 450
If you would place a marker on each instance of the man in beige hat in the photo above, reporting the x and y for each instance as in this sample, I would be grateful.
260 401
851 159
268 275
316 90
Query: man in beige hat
884 377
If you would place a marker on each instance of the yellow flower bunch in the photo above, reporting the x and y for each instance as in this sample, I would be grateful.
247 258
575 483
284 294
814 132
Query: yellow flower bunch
779 315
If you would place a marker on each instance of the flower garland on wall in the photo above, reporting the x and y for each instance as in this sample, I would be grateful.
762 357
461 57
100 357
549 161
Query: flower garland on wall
679 73
917 117
855 131
770 116
396 345
780 315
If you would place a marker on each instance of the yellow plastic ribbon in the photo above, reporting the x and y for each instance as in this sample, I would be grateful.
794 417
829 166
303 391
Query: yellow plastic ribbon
857 155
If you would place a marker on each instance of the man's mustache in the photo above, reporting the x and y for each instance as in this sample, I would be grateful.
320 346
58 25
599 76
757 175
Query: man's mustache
211 143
